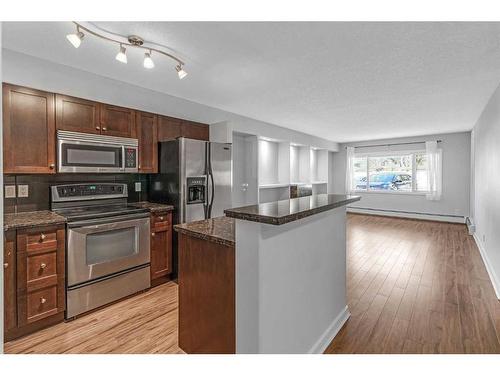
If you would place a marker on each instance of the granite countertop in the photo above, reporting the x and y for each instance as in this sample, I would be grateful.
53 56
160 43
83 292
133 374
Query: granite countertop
286 211
31 219
154 207
219 230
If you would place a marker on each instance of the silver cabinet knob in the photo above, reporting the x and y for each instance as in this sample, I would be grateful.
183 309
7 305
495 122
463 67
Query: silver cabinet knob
42 237
42 300
5 265
43 265
153 234
104 129
52 166
97 128
161 218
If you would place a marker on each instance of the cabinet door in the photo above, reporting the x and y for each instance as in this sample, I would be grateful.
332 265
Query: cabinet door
168 128
28 130
117 121
194 130
161 245
147 126
9 281
77 115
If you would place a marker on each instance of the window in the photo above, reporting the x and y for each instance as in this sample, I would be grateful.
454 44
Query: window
396 172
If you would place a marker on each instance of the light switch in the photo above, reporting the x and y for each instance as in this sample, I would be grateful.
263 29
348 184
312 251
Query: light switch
10 191
23 191
138 186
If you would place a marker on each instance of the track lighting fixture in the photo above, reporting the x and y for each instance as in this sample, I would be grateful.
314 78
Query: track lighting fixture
121 56
180 71
148 61
76 38
123 42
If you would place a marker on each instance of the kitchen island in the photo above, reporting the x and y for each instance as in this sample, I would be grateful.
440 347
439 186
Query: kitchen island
283 281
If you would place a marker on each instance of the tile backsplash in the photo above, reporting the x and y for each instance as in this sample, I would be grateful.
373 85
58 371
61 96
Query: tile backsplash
39 188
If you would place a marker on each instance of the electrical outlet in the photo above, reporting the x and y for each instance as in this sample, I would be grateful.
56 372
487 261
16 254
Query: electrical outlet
10 191
138 186
23 191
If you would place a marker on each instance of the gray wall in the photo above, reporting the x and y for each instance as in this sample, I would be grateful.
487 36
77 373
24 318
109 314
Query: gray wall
486 186
41 74
456 179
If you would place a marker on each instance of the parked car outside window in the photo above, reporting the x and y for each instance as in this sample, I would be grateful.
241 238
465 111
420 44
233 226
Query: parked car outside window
386 181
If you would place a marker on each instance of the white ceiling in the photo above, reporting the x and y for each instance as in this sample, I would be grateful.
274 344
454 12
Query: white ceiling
342 81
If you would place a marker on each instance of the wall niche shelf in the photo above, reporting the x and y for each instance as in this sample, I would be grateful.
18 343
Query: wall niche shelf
279 165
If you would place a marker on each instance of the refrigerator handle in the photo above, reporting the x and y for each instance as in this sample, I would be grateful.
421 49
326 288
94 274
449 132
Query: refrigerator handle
211 175
205 204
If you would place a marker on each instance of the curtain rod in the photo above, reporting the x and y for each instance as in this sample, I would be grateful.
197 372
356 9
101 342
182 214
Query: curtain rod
395 144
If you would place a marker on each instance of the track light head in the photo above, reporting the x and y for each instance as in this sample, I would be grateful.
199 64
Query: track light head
76 38
148 61
180 71
121 56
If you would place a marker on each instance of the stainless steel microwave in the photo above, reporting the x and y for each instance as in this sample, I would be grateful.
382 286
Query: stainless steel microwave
94 153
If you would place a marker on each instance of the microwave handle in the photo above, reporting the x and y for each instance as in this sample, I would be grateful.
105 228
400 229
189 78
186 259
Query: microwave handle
123 159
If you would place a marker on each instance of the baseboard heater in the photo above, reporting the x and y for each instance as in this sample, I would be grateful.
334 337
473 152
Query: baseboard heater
409 214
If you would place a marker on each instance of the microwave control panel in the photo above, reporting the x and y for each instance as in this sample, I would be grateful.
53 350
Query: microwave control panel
130 157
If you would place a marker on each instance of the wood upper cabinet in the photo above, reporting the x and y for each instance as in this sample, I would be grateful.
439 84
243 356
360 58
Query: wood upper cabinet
9 281
168 128
28 130
40 274
117 121
147 134
77 115
194 130
161 245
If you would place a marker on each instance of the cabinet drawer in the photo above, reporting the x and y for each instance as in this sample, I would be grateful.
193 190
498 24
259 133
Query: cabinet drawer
41 266
41 240
41 303
161 222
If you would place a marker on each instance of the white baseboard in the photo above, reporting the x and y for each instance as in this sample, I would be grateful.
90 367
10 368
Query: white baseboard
326 338
408 215
495 281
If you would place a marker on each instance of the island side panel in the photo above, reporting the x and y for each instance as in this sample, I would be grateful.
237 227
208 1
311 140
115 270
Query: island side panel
206 296
290 284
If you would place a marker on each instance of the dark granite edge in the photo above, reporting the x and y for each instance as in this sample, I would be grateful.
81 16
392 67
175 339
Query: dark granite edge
203 236
154 207
54 220
273 220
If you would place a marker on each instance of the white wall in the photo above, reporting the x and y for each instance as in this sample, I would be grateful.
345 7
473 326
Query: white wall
33 72
456 179
485 204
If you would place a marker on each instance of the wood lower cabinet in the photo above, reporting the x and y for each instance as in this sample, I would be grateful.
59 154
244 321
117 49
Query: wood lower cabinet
35 284
9 281
117 121
77 115
147 134
161 246
28 130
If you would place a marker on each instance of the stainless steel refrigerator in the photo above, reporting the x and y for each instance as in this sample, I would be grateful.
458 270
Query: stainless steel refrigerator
195 177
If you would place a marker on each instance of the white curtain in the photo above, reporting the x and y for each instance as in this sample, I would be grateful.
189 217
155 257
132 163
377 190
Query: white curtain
434 170
349 171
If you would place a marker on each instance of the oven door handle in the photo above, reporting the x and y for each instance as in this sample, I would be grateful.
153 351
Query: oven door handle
108 220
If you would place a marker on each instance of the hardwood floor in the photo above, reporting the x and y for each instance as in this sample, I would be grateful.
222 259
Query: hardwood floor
145 323
413 287
416 287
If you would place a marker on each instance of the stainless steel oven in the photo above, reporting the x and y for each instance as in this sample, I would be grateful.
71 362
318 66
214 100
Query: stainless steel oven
108 244
91 153
102 247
